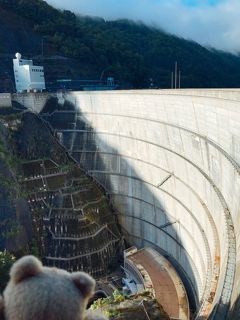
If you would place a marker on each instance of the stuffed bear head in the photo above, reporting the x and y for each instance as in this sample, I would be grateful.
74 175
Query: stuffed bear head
42 293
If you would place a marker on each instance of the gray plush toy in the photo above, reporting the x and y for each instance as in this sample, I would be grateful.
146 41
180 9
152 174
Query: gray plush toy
35 292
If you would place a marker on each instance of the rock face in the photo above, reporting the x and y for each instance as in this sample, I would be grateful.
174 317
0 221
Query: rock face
72 222
74 225
15 223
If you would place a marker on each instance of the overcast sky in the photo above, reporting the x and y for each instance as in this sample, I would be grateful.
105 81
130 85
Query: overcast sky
215 23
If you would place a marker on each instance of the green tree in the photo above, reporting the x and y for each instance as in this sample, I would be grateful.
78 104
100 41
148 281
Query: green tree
6 261
132 52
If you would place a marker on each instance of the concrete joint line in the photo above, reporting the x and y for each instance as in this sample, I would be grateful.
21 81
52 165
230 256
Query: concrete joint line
233 162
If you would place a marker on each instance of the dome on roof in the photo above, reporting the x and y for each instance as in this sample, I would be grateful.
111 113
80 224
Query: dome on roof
18 55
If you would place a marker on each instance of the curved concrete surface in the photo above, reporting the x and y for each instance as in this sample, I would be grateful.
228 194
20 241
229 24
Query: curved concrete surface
160 276
170 162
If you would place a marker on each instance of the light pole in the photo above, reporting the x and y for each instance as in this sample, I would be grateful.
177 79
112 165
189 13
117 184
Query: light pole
176 75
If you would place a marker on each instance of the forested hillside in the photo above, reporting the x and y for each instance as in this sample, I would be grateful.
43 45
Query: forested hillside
76 47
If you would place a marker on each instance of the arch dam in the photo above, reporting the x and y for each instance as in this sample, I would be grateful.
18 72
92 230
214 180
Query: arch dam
169 160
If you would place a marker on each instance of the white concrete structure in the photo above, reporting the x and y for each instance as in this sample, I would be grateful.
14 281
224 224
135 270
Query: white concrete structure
170 161
5 100
27 76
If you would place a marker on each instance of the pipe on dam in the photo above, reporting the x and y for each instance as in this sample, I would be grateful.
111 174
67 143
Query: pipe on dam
169 160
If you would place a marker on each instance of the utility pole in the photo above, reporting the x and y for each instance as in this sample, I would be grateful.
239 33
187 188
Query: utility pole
42 46
176 75
179 83
171 80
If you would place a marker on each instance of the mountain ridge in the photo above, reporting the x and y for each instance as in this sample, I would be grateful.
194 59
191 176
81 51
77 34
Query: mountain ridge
138 56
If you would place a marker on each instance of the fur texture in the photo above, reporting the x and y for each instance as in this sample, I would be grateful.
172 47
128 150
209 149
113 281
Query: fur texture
40 293
24 268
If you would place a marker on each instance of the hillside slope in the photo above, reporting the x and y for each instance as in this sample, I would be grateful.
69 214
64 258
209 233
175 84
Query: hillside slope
132 53
49 206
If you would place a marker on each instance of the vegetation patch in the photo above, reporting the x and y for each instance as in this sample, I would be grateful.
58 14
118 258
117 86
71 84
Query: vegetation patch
120 306
6 261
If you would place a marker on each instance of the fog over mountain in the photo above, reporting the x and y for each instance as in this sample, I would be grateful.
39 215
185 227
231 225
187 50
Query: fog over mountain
213 23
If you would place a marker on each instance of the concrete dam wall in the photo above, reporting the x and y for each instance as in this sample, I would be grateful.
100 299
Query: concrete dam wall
169 161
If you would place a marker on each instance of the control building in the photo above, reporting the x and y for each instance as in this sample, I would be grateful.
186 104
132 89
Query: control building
27 76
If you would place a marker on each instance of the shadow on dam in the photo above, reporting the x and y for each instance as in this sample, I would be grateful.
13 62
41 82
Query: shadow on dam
235 309
163 231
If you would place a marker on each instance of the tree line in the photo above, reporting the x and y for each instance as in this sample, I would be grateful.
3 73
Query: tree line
138 55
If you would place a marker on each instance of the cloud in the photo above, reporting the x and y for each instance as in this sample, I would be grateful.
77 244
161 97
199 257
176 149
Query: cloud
214 23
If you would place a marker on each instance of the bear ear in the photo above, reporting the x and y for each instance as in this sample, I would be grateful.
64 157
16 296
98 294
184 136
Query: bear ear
84 282
1 308
25 267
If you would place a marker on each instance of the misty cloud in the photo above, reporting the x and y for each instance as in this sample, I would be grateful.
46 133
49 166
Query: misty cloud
214 23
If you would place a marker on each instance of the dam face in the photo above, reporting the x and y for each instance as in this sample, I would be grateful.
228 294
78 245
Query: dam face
169 160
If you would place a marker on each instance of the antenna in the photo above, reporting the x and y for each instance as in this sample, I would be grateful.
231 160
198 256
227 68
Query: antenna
42 46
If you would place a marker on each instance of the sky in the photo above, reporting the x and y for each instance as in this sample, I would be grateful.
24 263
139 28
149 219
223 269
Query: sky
214 23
